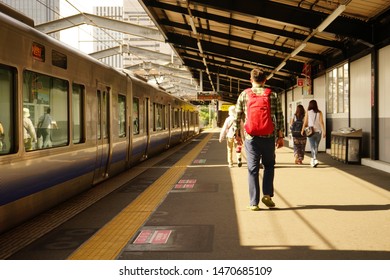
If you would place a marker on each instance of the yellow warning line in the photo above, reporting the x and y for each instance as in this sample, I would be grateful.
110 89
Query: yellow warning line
108 242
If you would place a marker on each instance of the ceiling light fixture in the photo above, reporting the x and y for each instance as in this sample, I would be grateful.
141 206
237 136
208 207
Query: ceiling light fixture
331 18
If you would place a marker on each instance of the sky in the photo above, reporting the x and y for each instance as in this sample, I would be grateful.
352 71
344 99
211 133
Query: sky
80 37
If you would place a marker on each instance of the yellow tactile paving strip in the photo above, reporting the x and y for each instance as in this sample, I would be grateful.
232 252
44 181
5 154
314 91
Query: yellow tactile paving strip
21 236
109 241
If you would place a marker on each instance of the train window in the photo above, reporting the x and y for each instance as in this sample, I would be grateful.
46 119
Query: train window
197 119
7 139
122 115
173 118
103 116
190 115
183 120
176 118
38 52
58 59
163 117
159 117
99 118
78 113
136 116
45 103
154 114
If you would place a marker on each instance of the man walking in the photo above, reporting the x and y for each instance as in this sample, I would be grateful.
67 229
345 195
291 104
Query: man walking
260 143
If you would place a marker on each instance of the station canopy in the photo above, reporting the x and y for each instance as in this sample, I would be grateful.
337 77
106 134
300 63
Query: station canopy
221 41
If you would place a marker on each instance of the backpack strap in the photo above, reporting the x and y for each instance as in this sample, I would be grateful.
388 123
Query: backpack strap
230 124
249 91
267 91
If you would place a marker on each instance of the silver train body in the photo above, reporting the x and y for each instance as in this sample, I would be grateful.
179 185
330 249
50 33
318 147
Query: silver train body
105 122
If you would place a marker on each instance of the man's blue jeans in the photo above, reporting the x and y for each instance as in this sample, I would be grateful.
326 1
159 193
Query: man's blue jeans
259 148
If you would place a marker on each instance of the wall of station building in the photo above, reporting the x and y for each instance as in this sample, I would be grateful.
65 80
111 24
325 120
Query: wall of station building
359 115
361 101
384 103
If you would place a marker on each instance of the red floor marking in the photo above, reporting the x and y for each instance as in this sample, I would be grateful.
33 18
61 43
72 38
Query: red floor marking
184 186
189 181
153 236
160 236
143 237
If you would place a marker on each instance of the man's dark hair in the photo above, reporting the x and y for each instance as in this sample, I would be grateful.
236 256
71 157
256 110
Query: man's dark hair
257 75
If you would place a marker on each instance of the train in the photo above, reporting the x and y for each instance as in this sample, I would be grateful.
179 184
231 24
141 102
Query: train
101 121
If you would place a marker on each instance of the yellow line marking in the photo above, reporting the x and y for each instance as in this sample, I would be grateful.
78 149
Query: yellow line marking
108 242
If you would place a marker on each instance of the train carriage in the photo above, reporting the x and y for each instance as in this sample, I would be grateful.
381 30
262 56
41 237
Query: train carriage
102 121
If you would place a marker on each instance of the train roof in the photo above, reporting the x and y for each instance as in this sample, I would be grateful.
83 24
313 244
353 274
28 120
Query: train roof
22 22
48 40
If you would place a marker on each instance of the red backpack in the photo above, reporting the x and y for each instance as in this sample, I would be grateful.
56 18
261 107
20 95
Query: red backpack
258 120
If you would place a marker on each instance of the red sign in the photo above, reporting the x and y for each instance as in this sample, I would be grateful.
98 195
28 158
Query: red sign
300 82
38 52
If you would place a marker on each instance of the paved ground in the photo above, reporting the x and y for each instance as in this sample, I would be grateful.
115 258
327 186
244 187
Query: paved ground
334 211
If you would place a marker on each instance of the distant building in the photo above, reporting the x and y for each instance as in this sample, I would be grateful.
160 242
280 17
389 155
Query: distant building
40 11
134 13
105 38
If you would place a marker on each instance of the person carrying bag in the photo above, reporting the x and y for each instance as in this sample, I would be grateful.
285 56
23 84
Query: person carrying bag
314 119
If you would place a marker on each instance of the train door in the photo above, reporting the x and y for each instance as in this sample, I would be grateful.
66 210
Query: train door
102 134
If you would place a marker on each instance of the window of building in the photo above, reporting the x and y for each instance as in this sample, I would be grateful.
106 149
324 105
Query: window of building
338 89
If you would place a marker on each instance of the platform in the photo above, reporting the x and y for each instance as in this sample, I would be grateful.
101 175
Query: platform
189 205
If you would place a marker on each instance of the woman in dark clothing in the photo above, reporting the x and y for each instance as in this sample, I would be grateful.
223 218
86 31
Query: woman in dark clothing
298 139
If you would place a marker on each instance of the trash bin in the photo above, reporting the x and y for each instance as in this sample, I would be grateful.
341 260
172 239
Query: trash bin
346 145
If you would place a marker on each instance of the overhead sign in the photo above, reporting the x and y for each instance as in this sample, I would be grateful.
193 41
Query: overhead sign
225 106
208 96
300 82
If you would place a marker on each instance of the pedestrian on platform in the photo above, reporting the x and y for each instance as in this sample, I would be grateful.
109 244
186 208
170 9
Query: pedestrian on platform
29 134
228 131
260 144
45 124
315 119
299 140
